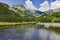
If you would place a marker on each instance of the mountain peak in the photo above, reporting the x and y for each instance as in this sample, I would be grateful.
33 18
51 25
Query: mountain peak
19 6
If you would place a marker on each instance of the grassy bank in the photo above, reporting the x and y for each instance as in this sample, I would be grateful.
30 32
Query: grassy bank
15 23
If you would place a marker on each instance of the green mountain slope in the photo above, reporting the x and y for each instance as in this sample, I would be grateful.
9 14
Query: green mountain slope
8 14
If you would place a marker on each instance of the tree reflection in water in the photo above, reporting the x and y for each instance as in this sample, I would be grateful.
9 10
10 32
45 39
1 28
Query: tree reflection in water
27 32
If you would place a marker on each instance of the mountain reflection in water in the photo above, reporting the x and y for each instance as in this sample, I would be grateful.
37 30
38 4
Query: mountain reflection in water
27 32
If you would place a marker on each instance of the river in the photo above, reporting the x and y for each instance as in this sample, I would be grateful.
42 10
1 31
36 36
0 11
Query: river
27 32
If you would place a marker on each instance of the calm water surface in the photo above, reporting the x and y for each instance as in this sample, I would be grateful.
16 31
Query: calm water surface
27 32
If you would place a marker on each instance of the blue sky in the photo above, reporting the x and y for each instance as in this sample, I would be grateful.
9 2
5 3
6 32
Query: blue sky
35 2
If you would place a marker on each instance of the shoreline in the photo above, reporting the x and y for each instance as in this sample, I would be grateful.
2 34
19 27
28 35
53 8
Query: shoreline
47 25
38 23
15 23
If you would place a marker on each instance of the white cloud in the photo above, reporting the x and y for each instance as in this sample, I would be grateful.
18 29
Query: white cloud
53 5
29 5
44 6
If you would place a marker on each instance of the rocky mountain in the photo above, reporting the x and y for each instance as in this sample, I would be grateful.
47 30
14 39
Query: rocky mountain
19 7
34 13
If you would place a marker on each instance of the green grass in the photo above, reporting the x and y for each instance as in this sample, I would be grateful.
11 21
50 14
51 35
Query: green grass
14 23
